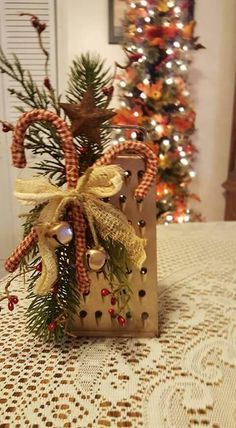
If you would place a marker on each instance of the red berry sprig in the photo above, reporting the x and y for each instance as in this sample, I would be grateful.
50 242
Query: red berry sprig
113 300
108 90
105 292
47 83
12 301
6 127
52 326
121 320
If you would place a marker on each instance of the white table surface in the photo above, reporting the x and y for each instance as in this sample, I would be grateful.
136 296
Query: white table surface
186 378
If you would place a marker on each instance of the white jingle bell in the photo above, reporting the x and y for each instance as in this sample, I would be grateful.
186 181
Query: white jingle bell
60 234
96 258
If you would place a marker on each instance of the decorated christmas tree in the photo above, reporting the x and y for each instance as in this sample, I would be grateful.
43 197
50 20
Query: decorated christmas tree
154 94
74 236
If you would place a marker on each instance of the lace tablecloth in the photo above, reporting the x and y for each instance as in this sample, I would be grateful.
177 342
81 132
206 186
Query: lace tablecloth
186 378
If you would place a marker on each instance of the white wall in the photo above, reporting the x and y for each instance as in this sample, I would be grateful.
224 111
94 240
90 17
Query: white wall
83 26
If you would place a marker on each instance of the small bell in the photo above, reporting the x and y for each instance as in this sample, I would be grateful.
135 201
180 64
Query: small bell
60 234
96 258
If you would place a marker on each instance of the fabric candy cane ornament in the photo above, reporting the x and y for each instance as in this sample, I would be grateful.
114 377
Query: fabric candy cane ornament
83 194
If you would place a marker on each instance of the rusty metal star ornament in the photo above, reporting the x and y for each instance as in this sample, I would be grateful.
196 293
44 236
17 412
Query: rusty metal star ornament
86 118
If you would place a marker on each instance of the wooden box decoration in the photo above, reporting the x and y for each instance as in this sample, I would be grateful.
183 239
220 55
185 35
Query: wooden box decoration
141 315
95 240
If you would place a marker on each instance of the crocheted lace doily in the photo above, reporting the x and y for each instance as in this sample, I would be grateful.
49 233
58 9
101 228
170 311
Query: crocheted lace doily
186 378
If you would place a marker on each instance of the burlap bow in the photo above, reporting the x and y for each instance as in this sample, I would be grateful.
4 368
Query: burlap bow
97 182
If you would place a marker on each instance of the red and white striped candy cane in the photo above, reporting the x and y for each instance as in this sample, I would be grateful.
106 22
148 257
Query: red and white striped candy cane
142 149
71 167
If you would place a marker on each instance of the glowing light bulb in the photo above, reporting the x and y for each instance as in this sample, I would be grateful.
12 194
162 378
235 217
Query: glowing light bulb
143 96
180 219
161 156
180 25
176 137
147 19
177 10
136 114
153 122
166 143
151 12
181 109
118 131
130 94
170 3
185 48
176 44
184 161
169 217
146 81
186 218
186 93
182 154
159 129
192 174
133 135
166 24
183 67
122 84
165 191
140 50
169 64
169 81
133 5
139 30
169 51
144 3
121 139
123 104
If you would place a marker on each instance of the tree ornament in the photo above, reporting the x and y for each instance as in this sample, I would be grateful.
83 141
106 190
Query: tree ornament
96 259
60 234
105 292
111 311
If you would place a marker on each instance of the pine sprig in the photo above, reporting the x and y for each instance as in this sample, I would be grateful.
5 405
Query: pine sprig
60 305
87 71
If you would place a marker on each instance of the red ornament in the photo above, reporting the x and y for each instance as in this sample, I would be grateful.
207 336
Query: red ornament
108 91
10 305
105 292
113 300
14 299
135 57
111 312
121 321
38 267
82 150
47 83
52 325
